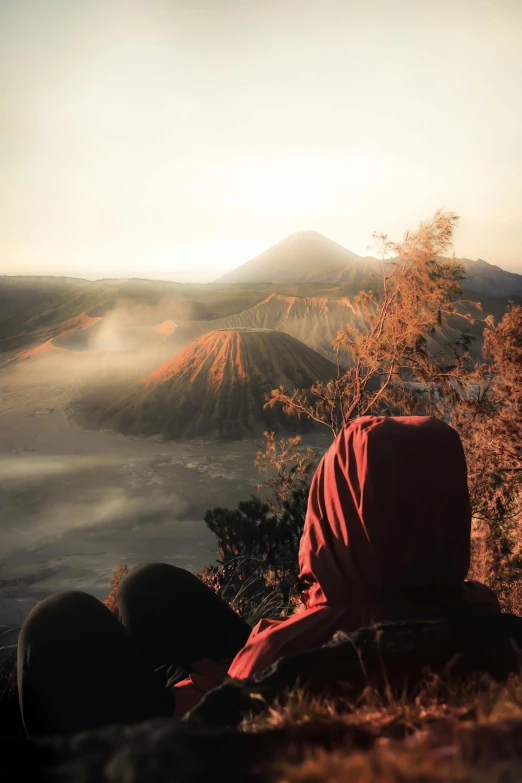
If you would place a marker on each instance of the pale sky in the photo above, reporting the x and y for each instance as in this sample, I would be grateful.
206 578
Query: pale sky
175 139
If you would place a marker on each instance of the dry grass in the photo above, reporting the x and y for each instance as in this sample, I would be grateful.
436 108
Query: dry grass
481 701
392 764
448 733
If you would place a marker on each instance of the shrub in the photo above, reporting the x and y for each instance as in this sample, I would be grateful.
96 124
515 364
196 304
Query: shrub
258 554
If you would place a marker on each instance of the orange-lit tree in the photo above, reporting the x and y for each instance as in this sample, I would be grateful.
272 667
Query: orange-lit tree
380 362
489 420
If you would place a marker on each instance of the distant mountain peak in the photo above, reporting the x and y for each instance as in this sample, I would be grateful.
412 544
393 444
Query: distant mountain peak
307 232
304 256
310 257
307 235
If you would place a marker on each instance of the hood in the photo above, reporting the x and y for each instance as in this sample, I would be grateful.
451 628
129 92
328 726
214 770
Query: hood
388 513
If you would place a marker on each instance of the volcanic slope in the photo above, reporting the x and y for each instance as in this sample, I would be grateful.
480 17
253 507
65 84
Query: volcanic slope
216 387
314 321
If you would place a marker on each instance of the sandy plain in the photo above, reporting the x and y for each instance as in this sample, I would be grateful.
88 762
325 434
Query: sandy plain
75 503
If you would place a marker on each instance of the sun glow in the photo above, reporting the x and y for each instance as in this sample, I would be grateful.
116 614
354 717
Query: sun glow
175 140
305 186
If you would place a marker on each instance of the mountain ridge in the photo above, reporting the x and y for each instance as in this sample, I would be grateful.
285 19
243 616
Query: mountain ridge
314 321
309 256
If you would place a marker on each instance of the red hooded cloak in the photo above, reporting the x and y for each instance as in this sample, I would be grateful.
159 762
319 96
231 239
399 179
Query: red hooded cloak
386 535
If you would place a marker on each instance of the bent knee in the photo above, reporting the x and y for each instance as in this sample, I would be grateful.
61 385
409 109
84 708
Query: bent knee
66 608
154 576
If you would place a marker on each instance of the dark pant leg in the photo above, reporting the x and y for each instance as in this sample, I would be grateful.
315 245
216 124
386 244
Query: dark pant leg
176 618
78 669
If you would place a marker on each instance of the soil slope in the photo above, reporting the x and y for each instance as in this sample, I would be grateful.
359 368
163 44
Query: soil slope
314 321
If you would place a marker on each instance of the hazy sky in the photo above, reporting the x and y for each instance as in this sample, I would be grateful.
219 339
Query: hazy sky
176 139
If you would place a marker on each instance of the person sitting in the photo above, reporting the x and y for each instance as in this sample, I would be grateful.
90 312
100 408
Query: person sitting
387 536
